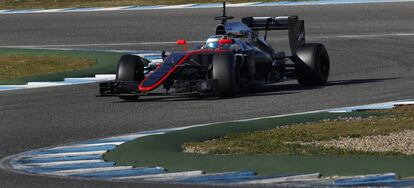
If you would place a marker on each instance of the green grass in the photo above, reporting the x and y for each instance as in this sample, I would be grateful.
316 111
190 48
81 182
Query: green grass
34 4
103 63
18 66
165 150
287 140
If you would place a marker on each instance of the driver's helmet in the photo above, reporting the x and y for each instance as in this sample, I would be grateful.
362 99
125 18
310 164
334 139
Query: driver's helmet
212 42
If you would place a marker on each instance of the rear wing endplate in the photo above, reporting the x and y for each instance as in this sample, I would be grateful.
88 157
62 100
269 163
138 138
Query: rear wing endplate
295 27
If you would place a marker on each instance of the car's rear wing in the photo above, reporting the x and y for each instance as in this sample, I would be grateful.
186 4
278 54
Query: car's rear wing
295 27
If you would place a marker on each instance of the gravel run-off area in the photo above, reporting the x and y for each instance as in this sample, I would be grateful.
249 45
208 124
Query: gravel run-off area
398 142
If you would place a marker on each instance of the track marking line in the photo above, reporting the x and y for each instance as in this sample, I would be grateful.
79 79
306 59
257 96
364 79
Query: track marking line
165 176
52 164
122 173
88 145
52 46
218 178
241 4
65 82
114 8
302 177
24 159
192 6
368 35
96 44
42 170
76 149
88 170
38 156
177 6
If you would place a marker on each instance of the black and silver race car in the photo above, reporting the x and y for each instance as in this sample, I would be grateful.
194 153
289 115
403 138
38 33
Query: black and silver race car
234 58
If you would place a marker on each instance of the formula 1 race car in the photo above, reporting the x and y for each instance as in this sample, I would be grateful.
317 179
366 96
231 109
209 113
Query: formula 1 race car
235 57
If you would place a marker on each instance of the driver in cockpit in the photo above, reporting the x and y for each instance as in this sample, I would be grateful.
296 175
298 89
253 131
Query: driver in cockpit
213 43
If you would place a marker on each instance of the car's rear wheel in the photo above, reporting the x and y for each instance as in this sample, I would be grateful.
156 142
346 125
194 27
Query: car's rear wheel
226 73
130 68
312 65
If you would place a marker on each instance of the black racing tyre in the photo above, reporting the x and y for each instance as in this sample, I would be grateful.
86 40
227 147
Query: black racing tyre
312 65
224 70
130 68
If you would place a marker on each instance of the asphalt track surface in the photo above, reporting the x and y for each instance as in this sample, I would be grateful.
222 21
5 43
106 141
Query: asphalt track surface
371 48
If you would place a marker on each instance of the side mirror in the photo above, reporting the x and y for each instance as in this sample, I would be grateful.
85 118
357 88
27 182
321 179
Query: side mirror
163 55
183 43
225 41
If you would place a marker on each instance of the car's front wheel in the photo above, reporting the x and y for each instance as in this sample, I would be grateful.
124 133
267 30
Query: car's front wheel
130 68
225 72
